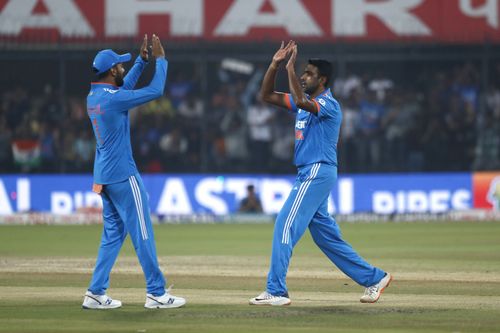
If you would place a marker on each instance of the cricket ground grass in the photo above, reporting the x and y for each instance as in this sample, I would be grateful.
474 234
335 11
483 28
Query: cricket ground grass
447 279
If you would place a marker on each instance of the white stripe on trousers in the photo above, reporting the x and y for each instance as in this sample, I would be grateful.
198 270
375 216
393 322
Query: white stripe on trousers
138 205
297 202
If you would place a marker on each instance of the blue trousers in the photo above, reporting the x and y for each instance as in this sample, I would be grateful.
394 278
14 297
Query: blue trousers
307 206
126 210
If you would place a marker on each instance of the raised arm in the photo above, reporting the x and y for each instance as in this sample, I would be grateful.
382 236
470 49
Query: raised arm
298 94
131 98
267 90
140 63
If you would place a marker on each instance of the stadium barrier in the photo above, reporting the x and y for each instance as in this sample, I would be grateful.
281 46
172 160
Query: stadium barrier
63 199
88 218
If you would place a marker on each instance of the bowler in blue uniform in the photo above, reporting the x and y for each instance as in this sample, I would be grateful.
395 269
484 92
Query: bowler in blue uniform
317 126
116 178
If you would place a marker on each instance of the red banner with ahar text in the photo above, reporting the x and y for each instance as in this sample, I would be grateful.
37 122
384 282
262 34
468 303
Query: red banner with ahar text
448 21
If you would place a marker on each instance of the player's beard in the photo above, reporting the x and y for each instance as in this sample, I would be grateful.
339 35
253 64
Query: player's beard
310 89
119 80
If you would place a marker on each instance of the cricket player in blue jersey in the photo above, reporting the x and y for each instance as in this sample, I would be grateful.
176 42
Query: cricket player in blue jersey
317 126
116 179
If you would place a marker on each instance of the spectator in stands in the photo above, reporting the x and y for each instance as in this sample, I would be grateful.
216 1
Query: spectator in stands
395 124
381 85
442 115
192 156
345 87
180 88
191 108
173 146
49 139
370 126
216 149
5 146
458 126
259 118
83 146
233 127
16 106
283 143
347 142
487 150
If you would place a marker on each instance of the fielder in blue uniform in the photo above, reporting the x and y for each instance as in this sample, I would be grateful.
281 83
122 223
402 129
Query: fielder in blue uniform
116 179
317 126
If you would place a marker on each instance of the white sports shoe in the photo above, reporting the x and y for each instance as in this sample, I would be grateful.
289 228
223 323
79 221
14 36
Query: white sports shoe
266 298
165 301
99 302
372 293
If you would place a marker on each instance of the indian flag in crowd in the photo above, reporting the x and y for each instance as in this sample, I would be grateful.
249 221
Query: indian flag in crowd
26 152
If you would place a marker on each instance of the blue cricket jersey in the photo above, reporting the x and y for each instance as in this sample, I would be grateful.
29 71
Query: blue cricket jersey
107 108
316 135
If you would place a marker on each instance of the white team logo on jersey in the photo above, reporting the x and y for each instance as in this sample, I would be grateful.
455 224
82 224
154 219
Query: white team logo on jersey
111 91
300 124
322 101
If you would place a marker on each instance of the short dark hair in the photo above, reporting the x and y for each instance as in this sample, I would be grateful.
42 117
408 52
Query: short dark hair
324 68
101 76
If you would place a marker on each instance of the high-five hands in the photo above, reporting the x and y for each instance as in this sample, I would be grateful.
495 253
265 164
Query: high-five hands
290 49
293 56
282 53
156 47
144 52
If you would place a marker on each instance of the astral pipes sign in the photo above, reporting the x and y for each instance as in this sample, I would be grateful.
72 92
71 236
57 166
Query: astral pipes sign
221 195
250 20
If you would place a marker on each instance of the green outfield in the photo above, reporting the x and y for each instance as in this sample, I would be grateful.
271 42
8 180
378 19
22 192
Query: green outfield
447 279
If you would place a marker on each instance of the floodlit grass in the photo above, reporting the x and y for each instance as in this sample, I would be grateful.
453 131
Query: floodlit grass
447 279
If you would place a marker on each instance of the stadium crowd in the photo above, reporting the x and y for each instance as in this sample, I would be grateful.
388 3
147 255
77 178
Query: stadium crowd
443 120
